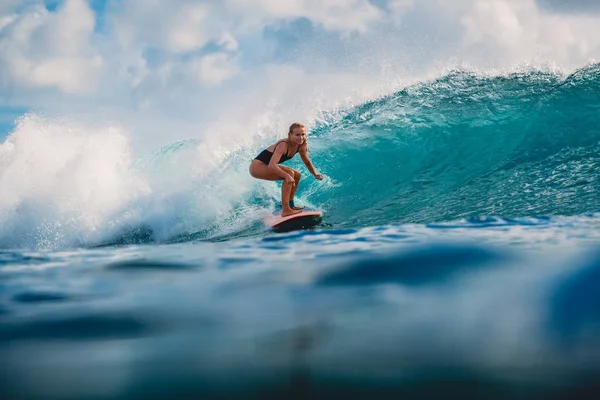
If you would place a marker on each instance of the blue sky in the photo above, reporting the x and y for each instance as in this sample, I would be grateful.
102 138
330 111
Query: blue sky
7 118
193 62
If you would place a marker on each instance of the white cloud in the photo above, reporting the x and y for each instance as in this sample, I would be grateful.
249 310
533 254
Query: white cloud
215 68
5 20
71 27
69 74
335 15
8 6
175 27
519 31
400 7
228 42
187 32
493 19
42 49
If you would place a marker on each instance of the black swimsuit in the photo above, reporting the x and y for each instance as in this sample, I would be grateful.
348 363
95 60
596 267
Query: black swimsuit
265 156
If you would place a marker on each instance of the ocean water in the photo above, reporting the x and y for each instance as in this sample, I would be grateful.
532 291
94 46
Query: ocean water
458 254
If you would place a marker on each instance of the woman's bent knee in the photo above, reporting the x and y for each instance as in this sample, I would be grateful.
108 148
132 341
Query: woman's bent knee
251 171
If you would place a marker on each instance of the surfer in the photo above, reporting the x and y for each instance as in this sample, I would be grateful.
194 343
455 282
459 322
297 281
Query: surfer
266 166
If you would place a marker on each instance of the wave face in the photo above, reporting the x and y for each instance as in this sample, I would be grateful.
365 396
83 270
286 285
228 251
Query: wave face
465 145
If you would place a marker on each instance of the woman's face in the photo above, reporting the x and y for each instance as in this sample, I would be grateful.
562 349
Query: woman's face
298 136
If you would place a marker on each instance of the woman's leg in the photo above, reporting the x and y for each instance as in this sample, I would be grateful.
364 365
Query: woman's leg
297 177
260 170
286 189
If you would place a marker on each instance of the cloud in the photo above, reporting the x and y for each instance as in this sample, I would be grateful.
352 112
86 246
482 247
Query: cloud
228 42
5 20
176 27
335 15
400 7
71 75
518 31
215 68
8 6
571 6
194 58
40 49
187 33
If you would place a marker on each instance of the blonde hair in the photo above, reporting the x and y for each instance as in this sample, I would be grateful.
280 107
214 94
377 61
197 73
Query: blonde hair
294 126
291 130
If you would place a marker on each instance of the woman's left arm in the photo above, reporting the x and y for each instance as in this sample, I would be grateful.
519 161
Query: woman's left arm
308 163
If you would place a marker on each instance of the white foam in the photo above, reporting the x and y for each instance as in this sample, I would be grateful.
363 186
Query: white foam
67 183
61 180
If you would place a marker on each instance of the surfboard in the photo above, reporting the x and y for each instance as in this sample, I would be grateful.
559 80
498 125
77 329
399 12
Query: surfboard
302 220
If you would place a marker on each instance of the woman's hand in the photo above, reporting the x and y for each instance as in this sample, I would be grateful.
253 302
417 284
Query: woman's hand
290 180
319 177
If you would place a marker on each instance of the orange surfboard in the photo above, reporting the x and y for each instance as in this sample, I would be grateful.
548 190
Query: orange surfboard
301 220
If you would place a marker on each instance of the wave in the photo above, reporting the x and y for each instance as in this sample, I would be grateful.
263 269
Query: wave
463 146
466 145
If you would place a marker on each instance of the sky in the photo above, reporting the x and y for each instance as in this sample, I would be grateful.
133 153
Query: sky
171 70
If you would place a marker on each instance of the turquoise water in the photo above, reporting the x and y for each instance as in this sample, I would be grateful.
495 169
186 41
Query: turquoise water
457 254
462 146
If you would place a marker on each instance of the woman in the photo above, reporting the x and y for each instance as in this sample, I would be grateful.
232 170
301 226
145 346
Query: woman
266 166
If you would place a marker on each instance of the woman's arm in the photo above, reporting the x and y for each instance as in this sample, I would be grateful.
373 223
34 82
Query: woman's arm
308 163
274 163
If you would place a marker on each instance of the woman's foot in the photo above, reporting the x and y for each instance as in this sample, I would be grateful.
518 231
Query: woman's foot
288 212
295 207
